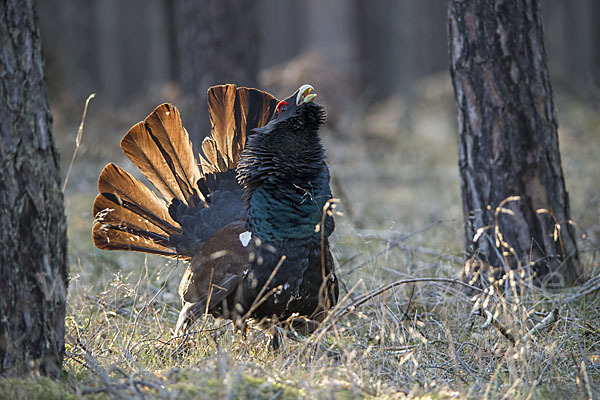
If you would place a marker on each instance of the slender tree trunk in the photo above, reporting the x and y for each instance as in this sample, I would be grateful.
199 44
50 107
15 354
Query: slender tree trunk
33 270
217 42
508 143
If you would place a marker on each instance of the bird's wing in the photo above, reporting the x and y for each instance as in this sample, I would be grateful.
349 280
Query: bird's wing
217 268
213 274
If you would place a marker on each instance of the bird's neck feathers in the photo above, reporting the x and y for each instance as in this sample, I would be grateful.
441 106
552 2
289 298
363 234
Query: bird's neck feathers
286 181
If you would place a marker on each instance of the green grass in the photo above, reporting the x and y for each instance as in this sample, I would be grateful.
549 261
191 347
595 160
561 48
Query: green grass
403 219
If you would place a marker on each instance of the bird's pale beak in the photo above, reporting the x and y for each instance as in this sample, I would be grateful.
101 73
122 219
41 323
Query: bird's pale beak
306 94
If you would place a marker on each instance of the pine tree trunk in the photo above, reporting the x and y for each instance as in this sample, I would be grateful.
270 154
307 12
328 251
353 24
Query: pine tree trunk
217 43
508 143
33 270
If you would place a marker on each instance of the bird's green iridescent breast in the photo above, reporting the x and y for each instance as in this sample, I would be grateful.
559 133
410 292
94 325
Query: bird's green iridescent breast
279 212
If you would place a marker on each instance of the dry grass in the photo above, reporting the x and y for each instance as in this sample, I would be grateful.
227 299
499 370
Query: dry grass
420 337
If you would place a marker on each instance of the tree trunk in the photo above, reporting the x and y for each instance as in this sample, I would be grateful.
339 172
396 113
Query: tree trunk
508 143
217 42
33 244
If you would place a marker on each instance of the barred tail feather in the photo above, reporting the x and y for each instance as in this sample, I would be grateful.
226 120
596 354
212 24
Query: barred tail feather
111 237
233 113
129 216
213 161
160 147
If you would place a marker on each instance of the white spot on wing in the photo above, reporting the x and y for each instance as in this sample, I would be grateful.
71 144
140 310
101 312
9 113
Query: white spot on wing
245 238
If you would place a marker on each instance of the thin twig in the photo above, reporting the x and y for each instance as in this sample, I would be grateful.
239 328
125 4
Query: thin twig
78 139
591 286
94 366
259 298
128 347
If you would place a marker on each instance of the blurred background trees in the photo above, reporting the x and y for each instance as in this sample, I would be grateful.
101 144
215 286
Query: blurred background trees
380 67
209 35
123 49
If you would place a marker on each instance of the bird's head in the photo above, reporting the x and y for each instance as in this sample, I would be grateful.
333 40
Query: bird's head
296 114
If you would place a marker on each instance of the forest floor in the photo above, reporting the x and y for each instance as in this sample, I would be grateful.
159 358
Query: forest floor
398 183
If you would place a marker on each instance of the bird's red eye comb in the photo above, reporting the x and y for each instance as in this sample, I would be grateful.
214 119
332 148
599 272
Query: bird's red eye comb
282 106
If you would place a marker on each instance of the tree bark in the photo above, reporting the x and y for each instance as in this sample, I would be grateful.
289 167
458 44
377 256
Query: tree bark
508 143
33 269
217 42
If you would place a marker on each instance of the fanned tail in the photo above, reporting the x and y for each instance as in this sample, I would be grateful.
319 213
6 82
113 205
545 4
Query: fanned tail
130 216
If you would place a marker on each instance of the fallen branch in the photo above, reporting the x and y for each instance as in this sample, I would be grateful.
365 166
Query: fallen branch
550 319
491 320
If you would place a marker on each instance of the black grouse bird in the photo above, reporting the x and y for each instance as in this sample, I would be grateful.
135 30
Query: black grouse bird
252 220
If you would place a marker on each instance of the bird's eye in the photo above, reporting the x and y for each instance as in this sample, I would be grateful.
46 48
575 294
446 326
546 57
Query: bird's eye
282 107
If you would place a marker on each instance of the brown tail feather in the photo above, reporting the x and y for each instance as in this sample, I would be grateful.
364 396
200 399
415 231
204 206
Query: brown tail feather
221 104
109 237
214 161
134 196
166 127
161 149
129 216
233 112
